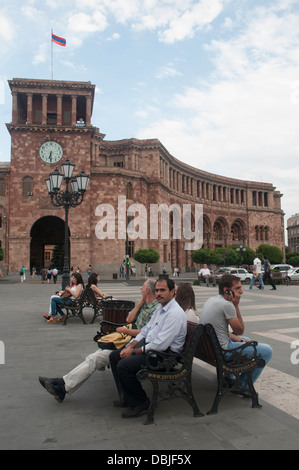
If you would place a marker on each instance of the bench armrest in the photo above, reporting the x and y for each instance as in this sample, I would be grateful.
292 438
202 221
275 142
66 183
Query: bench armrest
107 327
165 361
238 354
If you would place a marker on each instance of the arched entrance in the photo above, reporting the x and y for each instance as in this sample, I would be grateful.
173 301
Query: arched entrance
45 233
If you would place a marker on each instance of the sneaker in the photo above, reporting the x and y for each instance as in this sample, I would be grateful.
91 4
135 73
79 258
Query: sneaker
55 387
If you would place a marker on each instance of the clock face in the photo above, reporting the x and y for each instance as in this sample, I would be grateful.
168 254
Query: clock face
51 152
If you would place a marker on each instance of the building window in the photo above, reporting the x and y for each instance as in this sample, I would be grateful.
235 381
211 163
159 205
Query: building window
119 164
129 191
254 198
130 249
2 187
27 186
266 202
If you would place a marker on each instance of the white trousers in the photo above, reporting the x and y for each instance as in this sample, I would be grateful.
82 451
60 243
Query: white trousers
95 361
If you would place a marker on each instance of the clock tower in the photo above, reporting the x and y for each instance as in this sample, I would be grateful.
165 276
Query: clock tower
51 121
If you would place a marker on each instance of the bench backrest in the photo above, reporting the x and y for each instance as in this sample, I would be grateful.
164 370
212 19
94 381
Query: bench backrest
207 346
89 296
194 332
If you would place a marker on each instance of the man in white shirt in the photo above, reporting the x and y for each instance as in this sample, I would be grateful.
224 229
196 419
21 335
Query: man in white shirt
257 272
205 274
166 331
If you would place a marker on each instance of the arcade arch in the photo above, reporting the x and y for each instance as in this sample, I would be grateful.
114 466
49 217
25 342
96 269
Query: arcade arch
46 232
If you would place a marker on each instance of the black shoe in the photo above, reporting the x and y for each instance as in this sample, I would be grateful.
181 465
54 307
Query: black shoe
273 288
55 387
120 404
136 411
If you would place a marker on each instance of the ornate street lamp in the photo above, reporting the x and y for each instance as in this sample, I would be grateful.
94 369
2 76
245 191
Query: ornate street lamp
72 197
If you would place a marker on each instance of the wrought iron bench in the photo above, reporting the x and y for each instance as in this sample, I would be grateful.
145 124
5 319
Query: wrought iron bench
75 308
175 371
209 350
96 303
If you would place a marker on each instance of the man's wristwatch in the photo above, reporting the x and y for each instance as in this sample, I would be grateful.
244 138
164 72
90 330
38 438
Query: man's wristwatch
133 352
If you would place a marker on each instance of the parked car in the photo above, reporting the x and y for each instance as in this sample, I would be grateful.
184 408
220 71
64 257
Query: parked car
282 267
242 273
293 275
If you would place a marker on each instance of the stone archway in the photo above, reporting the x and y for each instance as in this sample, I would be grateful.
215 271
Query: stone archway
220 231
48 230
238 232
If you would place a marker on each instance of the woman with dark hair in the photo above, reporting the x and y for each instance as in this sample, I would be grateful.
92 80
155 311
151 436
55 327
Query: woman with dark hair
186 299
92 283
74 291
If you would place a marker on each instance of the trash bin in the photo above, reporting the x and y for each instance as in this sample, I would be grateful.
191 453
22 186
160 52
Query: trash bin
116 311
114 276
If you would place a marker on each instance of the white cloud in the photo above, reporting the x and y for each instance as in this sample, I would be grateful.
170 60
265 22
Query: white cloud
6 29
168 71
114 37
83 23
200 15
244 121
42 54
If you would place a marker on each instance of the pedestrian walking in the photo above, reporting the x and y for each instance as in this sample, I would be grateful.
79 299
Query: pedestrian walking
267 274
23 274
54 274
257 272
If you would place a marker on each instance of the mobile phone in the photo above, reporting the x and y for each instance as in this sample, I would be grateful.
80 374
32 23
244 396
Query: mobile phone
230 292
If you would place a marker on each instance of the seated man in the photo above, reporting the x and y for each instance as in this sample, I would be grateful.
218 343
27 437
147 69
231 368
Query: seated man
166 331
204 274
70 382
222 311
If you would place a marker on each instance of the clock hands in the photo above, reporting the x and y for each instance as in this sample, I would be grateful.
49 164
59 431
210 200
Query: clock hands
50 156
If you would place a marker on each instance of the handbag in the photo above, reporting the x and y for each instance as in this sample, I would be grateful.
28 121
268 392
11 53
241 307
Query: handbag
66 295
113 340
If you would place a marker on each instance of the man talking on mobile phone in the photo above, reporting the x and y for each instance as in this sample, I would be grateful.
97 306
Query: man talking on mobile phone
222 311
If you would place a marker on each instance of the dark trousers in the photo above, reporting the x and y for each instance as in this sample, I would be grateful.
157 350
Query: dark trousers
267 277
124 373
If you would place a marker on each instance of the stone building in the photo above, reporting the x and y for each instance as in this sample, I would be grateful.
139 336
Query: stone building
121 173
293 233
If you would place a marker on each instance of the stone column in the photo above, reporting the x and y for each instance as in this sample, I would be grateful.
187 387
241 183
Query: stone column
74 111
29 108
88 111
14 107
44 108
59 110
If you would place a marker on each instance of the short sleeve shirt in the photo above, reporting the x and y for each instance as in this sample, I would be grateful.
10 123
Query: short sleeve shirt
217 311
145 314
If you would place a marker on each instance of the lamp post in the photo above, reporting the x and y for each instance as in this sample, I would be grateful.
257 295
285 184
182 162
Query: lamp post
241 250
72 197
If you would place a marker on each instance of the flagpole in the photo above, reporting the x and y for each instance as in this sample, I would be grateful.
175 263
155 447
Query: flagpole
51 55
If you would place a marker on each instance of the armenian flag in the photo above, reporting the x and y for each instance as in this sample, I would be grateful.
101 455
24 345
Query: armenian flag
58 40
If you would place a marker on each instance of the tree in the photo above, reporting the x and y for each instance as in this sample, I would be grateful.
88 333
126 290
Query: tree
202 256
57 257
273 253
246 256
225 256
146 256
219 256
294 261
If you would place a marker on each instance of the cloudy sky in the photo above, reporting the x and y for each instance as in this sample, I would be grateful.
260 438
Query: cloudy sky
216 81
